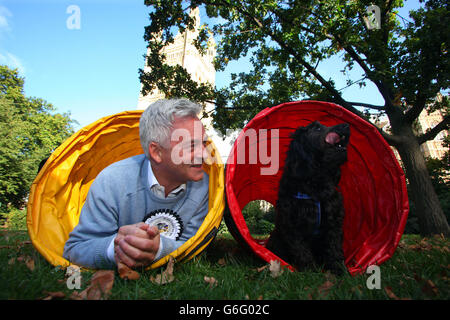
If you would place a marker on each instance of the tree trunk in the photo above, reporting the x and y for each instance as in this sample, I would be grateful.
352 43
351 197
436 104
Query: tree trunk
429 211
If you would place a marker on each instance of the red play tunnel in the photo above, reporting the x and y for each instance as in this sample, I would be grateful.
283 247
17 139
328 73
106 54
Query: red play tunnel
372 183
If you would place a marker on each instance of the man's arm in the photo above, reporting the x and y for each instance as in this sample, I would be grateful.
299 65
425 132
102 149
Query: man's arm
141 244
190 229
98 225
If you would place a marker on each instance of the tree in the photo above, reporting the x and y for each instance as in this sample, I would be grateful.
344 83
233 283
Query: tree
407 61
29 132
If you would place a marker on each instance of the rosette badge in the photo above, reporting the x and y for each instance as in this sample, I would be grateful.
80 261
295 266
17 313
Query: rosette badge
167 221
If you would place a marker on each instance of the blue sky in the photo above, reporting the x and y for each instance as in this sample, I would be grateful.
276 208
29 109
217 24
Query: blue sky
92 71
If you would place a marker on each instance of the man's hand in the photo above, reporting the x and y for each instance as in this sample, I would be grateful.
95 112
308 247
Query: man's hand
136 245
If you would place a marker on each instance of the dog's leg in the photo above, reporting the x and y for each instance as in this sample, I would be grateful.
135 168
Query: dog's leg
277 246
295 252
300 255
333 255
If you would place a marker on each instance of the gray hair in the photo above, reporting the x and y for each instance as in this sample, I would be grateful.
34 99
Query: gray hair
156 121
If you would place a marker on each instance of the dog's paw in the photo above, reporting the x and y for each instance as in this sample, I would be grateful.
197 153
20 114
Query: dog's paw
338 268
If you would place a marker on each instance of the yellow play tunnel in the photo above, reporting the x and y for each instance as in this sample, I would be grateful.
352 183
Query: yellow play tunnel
60 189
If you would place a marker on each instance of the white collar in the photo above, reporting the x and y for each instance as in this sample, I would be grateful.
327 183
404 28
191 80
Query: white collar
158 189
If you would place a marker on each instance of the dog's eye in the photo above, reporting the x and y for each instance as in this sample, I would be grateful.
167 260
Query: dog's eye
318 128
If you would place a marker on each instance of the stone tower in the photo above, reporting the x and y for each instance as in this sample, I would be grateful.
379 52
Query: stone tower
183 52
201 68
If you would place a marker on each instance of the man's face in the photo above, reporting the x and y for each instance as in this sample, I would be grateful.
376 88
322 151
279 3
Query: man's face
183 158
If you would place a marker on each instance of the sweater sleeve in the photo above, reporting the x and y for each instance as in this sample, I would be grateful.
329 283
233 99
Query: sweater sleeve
88 242
170 245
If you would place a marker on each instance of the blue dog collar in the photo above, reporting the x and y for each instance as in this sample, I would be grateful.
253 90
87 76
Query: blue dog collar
303 196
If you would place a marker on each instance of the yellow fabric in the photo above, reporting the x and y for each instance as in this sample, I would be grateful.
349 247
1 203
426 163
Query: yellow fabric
60 189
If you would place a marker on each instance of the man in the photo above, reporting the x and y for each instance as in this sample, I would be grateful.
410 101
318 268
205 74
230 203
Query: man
142 208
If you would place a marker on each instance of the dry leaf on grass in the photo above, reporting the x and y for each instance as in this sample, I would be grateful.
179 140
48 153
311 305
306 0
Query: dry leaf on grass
390 293
101 284
275 268
262 268
430 289
54 295
211 281
126 273
325 288
221 262
29 262
100 288
73 269
16 246
7 247
166 276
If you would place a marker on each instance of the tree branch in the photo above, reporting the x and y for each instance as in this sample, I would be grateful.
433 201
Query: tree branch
413 113
392 140
367 105
355 56
432 133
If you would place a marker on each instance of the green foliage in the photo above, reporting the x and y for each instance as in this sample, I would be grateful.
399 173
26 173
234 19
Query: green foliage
29 132
406 59
15 219
259 220
286 41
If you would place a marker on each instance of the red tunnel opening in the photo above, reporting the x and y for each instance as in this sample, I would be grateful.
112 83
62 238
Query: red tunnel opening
372 182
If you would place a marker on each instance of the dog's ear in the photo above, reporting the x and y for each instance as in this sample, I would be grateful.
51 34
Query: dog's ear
297 132
299 161
298 142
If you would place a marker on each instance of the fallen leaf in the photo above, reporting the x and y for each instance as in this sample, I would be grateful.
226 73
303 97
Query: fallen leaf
100 287
221 262
78 295
17 245
73 268
325 288
166 276
390 293
54 295
29 262
211 281
275 268
429 288
126 273
262 268
439 236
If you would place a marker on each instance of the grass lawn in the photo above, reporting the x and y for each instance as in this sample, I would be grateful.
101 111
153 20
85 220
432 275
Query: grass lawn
419 269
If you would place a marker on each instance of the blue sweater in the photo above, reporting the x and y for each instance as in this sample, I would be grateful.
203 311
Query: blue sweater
120 195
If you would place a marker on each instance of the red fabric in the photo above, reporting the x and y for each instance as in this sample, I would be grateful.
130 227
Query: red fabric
372 183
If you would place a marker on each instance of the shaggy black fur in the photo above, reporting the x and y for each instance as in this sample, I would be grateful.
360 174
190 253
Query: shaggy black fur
312 168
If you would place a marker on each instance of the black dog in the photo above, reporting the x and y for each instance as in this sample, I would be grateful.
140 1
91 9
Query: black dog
309 210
